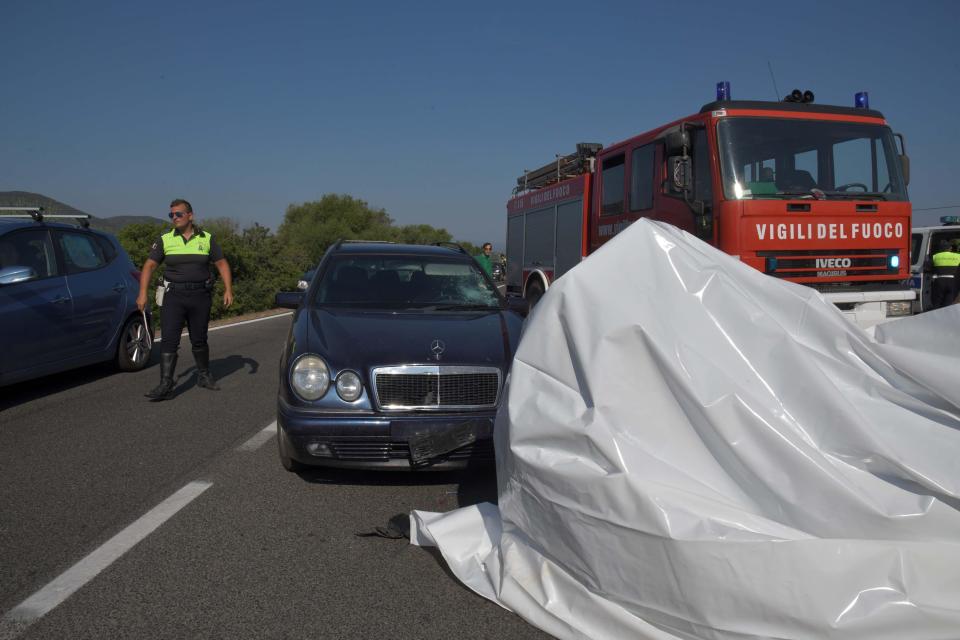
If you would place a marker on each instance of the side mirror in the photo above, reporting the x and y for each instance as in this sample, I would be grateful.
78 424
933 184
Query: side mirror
680 173
289 299
519 305
676 141
905 167
15 274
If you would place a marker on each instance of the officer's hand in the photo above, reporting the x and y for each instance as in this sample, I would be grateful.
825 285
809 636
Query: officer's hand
141 301
227 298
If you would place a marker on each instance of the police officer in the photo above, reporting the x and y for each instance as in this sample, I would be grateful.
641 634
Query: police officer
945 264
188 252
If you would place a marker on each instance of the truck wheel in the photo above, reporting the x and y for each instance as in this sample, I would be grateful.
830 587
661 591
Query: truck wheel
534 293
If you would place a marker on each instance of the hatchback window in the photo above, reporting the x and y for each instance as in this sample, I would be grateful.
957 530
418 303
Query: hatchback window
31 248
81 252
405 282
109 251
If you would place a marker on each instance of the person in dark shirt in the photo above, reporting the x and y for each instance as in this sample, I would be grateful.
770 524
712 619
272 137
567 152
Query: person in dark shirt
187 252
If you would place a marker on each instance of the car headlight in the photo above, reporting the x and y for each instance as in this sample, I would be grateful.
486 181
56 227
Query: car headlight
349 386
310 377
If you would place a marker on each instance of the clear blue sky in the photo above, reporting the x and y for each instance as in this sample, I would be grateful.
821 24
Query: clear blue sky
428 110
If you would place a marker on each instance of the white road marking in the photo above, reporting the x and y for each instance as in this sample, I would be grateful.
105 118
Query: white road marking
64 585
236 324
259 438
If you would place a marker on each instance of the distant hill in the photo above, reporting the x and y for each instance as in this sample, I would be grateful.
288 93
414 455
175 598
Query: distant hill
112 224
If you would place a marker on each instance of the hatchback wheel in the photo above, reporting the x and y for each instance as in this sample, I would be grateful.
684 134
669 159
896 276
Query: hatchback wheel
133 352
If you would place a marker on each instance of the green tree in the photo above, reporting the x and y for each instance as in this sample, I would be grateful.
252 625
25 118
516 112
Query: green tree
309 228
469 247
258 263
136 239
420 234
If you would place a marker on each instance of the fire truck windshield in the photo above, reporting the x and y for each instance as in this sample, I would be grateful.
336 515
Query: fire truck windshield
791 158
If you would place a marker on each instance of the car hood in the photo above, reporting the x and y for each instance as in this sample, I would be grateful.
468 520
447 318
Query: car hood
364 339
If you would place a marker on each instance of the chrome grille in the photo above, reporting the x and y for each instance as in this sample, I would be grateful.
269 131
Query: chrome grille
433 387
384 450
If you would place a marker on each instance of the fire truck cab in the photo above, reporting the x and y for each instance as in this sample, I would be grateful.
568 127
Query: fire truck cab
810 193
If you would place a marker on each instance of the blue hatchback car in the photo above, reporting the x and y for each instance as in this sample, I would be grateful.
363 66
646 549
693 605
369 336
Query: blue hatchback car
396 357
67 299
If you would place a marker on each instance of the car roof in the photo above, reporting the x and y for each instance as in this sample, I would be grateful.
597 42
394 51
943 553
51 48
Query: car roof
389 248
6 224
946 227
9 224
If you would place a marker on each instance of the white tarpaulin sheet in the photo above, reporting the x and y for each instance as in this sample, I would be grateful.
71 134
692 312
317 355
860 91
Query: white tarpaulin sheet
692 449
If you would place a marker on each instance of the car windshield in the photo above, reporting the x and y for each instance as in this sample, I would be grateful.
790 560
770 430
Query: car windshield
789 158
408 282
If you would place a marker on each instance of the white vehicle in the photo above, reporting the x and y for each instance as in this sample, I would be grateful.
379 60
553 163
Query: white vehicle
924 242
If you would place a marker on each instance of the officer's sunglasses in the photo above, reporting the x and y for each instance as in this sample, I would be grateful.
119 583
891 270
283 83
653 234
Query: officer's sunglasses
177 214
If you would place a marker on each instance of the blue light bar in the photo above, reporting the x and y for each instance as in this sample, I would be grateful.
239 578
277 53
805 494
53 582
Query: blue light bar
723 90
861 100
945 220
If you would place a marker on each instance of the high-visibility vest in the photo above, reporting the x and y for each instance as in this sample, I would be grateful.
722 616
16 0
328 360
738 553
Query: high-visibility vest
945 263
198 245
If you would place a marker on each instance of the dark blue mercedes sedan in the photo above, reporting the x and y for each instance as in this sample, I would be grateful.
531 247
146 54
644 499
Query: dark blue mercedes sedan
396 357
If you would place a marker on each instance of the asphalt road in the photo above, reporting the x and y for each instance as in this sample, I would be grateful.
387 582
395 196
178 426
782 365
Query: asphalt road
225 543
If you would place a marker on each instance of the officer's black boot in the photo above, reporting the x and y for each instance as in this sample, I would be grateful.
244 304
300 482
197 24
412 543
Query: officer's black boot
164 390
201 356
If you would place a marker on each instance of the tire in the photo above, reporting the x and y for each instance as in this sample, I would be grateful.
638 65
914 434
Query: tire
534 292
133 352
288 463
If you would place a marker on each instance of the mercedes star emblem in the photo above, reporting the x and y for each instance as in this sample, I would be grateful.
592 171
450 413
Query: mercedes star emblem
437 347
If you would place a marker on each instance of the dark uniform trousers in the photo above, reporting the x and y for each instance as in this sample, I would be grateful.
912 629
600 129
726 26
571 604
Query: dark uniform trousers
946 272
184 305
943 291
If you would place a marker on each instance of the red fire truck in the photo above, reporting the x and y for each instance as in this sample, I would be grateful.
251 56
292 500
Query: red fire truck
811 193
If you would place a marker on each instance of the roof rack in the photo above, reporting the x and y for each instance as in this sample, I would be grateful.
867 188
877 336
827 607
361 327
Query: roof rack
37 215
452 245
569 166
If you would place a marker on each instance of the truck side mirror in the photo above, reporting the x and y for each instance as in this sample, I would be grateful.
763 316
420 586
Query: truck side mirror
905 166
680 177
676 141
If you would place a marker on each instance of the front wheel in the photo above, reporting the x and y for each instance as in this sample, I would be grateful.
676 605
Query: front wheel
133 350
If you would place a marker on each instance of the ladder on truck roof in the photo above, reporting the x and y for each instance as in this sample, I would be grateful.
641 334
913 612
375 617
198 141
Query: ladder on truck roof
569 166
37 215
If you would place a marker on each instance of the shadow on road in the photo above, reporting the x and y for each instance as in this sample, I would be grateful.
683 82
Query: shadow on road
221 369
473 486
22 392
